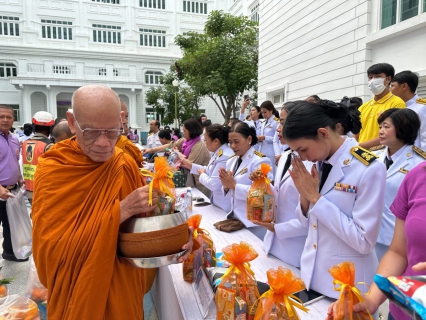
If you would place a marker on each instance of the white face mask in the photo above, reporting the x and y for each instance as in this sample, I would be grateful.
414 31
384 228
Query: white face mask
377 85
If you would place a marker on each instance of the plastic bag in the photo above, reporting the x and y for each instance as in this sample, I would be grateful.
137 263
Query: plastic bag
260 198
344 276
162 182
35 290
15 307
20 225
204 256
279 302
3 285
408 293
237 282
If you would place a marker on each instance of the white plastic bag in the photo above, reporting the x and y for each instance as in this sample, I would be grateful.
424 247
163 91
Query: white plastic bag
15 307
35 290
20 225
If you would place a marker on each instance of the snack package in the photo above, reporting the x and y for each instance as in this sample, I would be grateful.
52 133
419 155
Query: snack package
279 302
260 198
408 293
162 182
15 307
36 291
203 256
344 281
237 282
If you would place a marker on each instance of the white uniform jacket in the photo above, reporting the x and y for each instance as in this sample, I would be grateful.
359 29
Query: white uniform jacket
210 179
153 141
344 224
419 106
268 129
250 162
409 158
289 238
255 124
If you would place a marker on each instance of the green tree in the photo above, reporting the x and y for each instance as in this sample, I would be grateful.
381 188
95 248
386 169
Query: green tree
162 99
222 62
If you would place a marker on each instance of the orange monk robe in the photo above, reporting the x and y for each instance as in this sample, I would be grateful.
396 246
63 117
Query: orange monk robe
76 218
129 148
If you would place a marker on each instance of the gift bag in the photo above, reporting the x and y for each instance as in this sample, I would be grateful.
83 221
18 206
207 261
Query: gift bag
15 307
20 225
260 198
279 302
237 294
162 182
344 281
202 255
179 179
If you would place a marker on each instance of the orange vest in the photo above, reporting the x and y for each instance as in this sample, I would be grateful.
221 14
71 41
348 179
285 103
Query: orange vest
31 150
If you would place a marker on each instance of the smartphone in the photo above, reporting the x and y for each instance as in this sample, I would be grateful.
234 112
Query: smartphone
246 96
308 297
202 204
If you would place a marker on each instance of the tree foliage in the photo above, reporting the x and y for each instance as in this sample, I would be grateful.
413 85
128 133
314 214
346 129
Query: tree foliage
222 63
162 99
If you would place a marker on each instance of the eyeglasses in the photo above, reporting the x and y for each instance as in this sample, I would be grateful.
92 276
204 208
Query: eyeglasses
89 133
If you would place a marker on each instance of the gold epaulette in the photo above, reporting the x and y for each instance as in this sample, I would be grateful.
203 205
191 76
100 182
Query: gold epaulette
220 153
421 100
259 154
150 134
277 119
420 152
363 155
377 148
232 156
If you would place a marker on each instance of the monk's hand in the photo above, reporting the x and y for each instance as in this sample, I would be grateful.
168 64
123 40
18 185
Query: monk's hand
268 225
187 246
137 202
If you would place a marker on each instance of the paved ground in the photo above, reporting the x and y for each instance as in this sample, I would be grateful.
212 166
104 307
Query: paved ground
20 271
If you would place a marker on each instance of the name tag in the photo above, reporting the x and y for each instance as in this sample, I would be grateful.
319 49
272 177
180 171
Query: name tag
244 171
404 171
345 187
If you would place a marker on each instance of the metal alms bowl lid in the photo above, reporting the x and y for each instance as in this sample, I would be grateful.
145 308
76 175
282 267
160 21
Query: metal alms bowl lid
137 225
154 262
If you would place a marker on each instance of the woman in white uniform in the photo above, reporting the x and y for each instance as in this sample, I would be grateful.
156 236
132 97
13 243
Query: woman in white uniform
398 132
341 204
216 137
285 239
235 178
267 131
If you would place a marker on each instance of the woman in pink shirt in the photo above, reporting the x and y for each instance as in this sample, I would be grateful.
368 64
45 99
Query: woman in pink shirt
406 254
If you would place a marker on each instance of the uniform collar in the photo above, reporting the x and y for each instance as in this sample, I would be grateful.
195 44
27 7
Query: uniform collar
412 101
382 100
40 135
335 157
396 154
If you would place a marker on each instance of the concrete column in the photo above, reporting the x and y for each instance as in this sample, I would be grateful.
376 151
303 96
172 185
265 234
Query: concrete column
79 69
48 67
132 108
26 106
51 102
22 67
109 71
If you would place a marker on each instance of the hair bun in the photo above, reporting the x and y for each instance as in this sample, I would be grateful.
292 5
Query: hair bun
329 104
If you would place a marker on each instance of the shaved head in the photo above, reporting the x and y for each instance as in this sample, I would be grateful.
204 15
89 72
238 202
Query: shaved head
61 131
95 107
124 118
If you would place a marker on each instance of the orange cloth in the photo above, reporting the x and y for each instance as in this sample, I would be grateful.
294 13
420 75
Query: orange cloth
129 148
76 219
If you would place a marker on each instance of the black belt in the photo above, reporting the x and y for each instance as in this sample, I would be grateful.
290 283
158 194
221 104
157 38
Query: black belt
11 187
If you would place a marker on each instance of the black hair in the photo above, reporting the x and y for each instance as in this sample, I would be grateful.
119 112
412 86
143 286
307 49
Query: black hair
157 124
405 121
304 120
268 105
315 97
59 119
217 131
194 128
28 129
167 128
176 131
385 68
408 77
245 130
233 121
289 105
164 134
352 123
203 115
258 110
207 123
198 118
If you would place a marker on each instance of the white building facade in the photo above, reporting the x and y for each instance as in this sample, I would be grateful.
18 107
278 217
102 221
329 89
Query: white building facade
325 47
49 48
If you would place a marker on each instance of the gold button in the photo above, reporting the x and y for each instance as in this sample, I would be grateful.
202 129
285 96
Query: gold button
315 246
315 226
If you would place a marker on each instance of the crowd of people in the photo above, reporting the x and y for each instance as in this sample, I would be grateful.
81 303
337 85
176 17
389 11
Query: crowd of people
348 180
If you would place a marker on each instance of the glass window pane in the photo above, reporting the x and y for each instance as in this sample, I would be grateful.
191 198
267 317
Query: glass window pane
65 34
119 37
424 6
43 32
14 72
205 8
94 35
48 32
114 37
146 40
54 33
2 75
104 37
60 32
184 6
409 9
109 37
69 33
155 41
11 29
388 13
196 7
17 29
5 29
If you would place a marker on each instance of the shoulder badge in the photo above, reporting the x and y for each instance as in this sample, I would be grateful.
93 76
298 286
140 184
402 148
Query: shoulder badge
219 154
276 119
363 155
150 134
259 154
420 152
421 100
377 148
232 156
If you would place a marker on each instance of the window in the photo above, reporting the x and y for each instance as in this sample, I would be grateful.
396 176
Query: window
61 70
16 113
277 99
108 1
255 13
153 4
149 115
9 26
54 29
394 11
7 70
103 72
152 38
195 6
106 34
153 77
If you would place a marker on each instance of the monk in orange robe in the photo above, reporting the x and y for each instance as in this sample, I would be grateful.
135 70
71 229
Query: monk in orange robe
85 188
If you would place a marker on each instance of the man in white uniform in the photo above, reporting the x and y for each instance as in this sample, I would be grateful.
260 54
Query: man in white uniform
153 140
